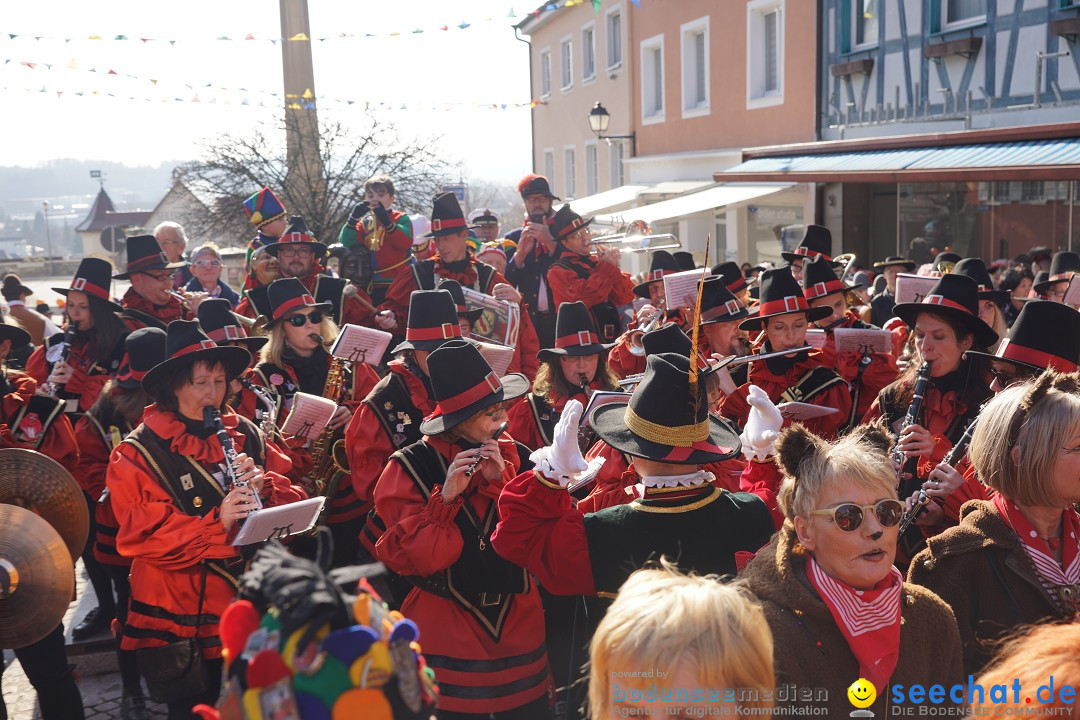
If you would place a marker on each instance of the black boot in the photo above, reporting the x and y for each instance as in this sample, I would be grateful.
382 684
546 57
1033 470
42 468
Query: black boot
133 707
95 623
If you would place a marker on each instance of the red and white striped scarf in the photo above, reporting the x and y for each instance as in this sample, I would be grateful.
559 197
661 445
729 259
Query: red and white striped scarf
869 620
1052 575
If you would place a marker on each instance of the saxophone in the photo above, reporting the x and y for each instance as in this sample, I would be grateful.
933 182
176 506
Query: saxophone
326 470
267 423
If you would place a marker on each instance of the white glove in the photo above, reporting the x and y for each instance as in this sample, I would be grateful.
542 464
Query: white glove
762 425
562 461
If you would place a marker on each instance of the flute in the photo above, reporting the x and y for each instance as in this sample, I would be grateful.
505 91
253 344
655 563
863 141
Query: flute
728 362
469 471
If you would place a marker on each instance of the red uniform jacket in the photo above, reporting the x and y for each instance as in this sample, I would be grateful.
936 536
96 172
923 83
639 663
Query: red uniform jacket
58 440
244 308
881 370
166 313
837 396
167 545
422 539
90 474
392 256
87 378
625 363
605 283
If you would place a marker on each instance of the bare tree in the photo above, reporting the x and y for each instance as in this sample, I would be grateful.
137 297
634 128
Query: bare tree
235 166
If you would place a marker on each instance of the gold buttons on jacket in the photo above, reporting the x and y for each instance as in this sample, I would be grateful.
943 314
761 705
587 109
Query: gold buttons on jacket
928 564
197 502
910 600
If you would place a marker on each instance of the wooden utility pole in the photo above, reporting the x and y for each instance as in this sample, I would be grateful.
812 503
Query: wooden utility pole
305 172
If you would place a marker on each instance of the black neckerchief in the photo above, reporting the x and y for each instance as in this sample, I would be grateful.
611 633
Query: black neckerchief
458 266
310 371
780 365
195 427
955 380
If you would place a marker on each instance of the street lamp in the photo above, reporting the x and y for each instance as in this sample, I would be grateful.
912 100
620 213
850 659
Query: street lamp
48 237
599 118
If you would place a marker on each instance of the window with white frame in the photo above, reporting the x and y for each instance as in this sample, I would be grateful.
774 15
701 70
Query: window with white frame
864 23
764 53
588 53
545 72
615 166
569 172
566 63
962 12
613 33
652 79
695 67
549 165
592 169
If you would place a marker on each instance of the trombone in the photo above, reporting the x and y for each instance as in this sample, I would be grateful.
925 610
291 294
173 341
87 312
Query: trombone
637 237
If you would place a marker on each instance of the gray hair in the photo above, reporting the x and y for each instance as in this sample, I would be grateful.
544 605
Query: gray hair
206 248
174 226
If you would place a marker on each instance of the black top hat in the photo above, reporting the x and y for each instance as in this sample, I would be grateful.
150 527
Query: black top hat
535 185
1062 267
12 287
718 303
464 384
221 325
896 261
432 321
1041 278
297 233
143 254
14 333
669 338
94 277
454 288
685 260
661 423
1044 335
575 333
662 263
186 343
816 241
732 275
567 222
781 295
945 257
286 295
143 349
956 296
819 279
975 269
260 300
446 216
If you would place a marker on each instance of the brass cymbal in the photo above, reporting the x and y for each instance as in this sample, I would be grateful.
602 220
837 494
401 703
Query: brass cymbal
37 577
35 481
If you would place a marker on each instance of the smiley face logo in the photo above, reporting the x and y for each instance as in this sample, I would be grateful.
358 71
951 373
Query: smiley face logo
861 693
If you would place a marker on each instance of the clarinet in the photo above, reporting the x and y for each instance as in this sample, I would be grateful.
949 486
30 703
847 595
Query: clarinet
212 419
905 464
954 456
52 388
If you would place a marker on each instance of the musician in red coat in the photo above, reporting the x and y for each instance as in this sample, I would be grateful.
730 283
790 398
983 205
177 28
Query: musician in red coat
150 301
784 315
622 358
480 615
176 513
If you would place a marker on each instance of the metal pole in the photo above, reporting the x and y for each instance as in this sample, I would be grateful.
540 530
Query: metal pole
48 238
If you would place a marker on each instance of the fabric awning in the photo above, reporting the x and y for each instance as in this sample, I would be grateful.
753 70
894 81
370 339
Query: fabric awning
1023 160
608 199
713 198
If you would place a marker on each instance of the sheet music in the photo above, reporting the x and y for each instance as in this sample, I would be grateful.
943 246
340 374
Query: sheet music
308 416
603 397
497 356
913 288
857 340
279 522
681 288
361 344
804 411
815 338
499 321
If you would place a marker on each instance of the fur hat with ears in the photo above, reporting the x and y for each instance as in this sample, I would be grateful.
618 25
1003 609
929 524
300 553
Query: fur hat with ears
796 444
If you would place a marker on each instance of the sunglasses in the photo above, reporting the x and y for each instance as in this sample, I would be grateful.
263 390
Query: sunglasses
314 317
1005 378
849 516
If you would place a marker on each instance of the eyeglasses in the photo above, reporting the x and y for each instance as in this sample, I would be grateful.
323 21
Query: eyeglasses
314 317
162 278
849 516
1005 378
293 252
207 263
497 409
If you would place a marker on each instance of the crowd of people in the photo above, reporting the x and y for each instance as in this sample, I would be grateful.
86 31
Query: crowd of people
753 496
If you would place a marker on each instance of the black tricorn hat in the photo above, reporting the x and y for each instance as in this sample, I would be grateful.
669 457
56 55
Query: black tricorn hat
1041 278
143 254
14 333
718 303
143 349
454 288
297 233
11 287
661 423
685 260
896 261
669 338
1062 267
779 294
732 274
660 264
956 296
446 216
975 269
535 185
221 325
286 295
1045 335
94 277
566 222
575 333
463 384
816 241
819 279
186 343
433 320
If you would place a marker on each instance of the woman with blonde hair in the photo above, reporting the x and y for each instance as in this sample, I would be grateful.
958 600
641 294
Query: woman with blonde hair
838 609
710 641
1014 560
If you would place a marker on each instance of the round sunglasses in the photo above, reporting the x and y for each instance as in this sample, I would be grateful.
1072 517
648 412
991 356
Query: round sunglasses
849 516
315 317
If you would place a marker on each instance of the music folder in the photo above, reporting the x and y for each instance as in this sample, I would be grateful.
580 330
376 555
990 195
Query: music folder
277 523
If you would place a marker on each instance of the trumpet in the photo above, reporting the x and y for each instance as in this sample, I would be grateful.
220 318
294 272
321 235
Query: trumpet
633 337
183 298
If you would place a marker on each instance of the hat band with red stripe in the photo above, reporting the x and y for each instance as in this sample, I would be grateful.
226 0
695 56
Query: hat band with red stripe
147 263
789 304
488 386
738 285
731 307
824 288
810 253
84 285
195 347
448 224
1060 277
446 331
1011 351
291 304
227 333
945 302
655 275
579 339
295 238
